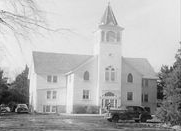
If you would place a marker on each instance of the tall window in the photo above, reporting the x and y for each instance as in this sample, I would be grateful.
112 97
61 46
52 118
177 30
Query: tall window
118 37
48 94
110 74
49 78
54 79
102 36
146 98
44 108
110 36
86 94
107 74
47 108
54 96
144 82
86 75
129 96
130 78
54 109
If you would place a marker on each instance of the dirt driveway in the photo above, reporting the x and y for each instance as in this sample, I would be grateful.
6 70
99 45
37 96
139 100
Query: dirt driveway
38 122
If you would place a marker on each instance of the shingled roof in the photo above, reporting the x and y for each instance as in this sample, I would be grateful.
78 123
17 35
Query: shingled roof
142 66
56 62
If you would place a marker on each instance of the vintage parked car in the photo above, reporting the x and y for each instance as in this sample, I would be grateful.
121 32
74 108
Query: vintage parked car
137 113
4 108
22 108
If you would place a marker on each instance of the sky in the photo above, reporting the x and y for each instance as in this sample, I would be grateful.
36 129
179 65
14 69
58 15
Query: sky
151 30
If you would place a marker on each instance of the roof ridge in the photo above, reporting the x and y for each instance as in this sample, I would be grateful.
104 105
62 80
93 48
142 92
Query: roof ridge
56 53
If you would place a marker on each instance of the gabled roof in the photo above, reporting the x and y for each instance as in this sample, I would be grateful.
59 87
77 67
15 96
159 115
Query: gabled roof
142 66
56 62
108 17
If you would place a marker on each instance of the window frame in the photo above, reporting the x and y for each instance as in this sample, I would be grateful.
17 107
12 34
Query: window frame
47 107
113 74
130 78
129 95
145 82
86 76
86 95
146 97
118 39
107 74
49 78
110 74
52 79
55 109
111 36
54 94
48 94
102 36
55 79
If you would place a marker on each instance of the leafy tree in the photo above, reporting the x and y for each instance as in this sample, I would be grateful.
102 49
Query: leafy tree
170 111
3 87
165 70
20 87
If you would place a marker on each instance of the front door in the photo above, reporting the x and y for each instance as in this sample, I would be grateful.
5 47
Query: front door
111 99
112 102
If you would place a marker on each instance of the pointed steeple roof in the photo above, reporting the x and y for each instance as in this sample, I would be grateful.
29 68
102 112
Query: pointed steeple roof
108 17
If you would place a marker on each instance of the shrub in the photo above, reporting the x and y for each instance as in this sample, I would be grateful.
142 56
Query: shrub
79 109
83 109
169 115
92 110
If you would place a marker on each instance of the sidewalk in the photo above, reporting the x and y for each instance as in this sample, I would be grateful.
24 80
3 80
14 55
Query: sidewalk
95 115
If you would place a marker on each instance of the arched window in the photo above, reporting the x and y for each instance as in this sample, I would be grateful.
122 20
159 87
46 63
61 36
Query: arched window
113 74
109 94
110 36
102 36
86 75
107 74
110 74
130 78
118 37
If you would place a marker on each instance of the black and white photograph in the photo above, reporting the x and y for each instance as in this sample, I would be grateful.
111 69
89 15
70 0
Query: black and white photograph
90 65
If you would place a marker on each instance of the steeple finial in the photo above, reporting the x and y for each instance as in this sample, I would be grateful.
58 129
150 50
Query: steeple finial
108 17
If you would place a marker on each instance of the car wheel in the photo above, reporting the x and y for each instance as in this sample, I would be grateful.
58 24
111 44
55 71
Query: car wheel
143 119
115 118
137 121
18 110
110 120
3 110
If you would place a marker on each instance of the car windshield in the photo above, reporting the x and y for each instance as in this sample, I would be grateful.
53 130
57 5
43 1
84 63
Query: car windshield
22 106
123 108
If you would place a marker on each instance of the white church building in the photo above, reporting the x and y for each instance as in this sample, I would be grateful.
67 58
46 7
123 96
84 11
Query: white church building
73 83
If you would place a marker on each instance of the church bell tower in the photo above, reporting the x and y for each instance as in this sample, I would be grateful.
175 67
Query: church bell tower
109 53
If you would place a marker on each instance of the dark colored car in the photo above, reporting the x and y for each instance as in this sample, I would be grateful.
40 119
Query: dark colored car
22 108
4 109
137 113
